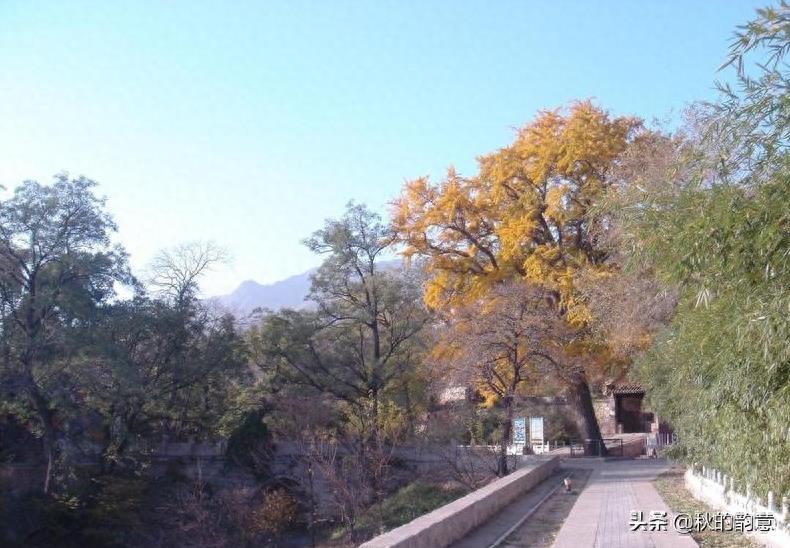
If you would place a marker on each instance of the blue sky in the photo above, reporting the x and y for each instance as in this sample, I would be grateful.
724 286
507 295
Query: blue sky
248 123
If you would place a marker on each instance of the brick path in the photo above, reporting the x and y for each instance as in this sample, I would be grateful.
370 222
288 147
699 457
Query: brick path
600 518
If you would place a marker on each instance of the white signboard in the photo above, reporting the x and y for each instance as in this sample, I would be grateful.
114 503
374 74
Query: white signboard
519 431
536 429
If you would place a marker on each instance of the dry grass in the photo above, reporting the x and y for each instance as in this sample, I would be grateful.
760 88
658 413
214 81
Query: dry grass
672 489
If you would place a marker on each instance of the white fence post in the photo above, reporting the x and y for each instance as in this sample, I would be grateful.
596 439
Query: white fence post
700 483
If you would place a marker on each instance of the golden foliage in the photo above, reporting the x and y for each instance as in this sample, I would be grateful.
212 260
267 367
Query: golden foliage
526 214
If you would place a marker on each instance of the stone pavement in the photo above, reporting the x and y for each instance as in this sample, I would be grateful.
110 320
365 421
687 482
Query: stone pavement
600 518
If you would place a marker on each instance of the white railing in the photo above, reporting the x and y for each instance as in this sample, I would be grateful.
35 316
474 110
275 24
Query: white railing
654 442
513 449
666 439
719 491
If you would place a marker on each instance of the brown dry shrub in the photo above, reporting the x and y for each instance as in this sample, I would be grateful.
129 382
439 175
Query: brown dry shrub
277 512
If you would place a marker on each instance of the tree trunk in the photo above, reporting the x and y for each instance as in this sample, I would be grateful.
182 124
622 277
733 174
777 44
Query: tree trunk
410 420
506 429
48 439
582 400
32 330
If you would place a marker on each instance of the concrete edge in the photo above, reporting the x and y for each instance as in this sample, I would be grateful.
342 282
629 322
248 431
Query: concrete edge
452 521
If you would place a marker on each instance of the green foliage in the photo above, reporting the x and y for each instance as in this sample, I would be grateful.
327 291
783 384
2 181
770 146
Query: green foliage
110 511
363 341
250 443
116 510
152 367
58 267
82 369
354 359
719 230
751 121
721 373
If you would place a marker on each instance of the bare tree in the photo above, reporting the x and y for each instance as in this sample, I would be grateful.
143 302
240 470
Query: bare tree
506 343
471 466
628 303
627 309
175 272
343 472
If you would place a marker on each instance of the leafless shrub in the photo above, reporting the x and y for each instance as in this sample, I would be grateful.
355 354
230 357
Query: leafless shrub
471 466
628 303
198 519
344 473
353 470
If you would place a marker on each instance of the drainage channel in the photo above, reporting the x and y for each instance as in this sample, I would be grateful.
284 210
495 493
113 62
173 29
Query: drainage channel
520 522
507 521
539 524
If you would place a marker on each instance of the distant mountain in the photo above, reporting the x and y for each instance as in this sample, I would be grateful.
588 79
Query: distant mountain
287 293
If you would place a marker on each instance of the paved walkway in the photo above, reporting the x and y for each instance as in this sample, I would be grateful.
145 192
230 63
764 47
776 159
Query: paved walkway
600 518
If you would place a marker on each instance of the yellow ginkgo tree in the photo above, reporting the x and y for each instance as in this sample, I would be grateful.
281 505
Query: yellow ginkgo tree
527 214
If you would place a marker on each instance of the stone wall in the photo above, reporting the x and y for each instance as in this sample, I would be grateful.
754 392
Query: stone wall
560 420
206 462
470 465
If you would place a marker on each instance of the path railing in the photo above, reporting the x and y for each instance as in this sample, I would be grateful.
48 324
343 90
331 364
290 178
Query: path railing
656 441
723 493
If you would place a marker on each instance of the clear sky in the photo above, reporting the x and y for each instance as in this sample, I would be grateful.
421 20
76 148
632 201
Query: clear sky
248 123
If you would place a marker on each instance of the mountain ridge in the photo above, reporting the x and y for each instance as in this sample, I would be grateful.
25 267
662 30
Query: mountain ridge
289 292
250 295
